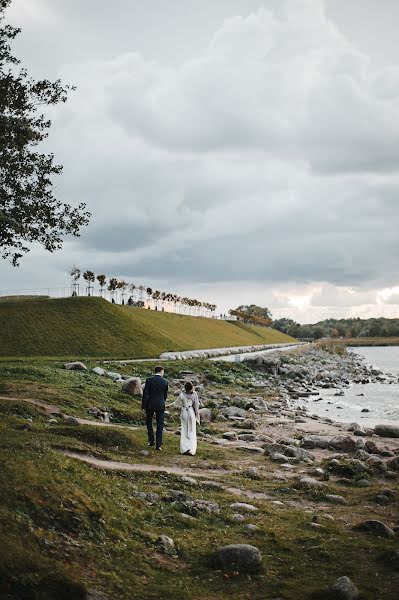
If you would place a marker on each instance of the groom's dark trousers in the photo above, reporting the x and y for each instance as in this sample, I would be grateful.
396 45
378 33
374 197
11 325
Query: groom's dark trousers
154 396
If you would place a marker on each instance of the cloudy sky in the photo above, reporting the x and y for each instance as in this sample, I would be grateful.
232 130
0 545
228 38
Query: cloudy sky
233 150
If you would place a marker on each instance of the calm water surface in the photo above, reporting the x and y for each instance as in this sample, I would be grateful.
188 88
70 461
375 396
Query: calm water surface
382 400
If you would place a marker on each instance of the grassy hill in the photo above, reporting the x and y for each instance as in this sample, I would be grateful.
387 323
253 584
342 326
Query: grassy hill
94 327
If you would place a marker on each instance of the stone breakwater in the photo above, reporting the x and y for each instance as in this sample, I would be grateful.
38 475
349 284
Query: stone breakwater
214 352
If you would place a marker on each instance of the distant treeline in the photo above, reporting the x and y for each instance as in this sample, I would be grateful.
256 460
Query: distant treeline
336 328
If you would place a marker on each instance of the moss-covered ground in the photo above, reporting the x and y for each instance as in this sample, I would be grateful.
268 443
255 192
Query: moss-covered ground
67 527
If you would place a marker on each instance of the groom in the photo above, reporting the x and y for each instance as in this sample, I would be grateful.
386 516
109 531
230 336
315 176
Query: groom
154 396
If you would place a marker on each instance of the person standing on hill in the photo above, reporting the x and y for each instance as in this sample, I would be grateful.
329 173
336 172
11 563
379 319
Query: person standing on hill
154 396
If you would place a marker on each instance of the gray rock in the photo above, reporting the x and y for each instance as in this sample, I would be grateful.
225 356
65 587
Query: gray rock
99 371
132 386
363 483
205 415
151 497
75 366
196 507
189 480
251 527
233 411
376 527
334 499
344 443
71 421
247 437
390 431
251 449
232 436
393 464
345 589
315 441
243 558
166 544
238 517
114 376
308 483
243 506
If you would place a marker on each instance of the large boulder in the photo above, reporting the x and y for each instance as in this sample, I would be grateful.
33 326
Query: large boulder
205 415
390 431
75 366
243 558
132 386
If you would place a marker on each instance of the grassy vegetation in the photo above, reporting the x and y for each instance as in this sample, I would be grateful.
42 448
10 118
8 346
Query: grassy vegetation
67 527
94 327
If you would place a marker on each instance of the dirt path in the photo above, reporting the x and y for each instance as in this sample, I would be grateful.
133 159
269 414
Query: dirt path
55 411
113 465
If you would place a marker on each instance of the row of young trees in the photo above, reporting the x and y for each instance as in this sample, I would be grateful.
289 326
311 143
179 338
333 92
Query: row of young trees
139 295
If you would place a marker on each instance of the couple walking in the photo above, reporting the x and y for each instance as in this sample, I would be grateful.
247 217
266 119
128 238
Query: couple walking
154 402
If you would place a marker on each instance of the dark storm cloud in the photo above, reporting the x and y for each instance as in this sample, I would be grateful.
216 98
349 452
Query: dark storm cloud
270 156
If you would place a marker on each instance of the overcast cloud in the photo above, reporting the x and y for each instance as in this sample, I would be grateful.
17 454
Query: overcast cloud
263 168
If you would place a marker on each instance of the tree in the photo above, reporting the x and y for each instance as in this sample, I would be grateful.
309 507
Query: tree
102 280
255 311
89 277
113 284
75 274
28 210
122 285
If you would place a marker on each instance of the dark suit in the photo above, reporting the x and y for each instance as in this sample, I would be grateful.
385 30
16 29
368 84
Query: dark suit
154 396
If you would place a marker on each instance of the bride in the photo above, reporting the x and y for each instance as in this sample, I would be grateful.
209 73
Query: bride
189 416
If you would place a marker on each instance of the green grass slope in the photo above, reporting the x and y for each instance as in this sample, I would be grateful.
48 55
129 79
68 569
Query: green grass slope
94 327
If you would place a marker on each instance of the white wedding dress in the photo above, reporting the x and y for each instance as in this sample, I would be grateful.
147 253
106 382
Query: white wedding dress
189 417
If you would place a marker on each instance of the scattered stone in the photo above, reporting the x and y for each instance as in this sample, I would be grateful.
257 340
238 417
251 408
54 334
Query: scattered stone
205 415
308 483
132 386
243 558
75 366
251 527
363 483
376 527
189 480
99 371
251 449
393 464
232 436
335 499
390 431
145 453
243 506
166 544
233 411
345 589
315 441
113 376
344 443
150 497
52 421
71 421
238 517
